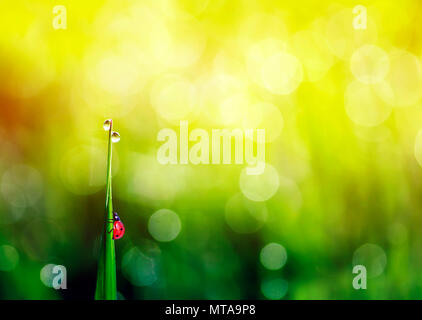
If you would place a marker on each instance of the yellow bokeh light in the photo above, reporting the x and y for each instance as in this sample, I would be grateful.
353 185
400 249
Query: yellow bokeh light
343 39
282 73
150 181
214 90
405 78
310 47
363 103
185 43
182 8
258 53
260 26
234 108
174 98
260 187
270 119
418 147
116 75
370 64
83 168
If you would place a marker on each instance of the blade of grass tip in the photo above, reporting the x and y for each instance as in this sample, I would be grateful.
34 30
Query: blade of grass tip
106 277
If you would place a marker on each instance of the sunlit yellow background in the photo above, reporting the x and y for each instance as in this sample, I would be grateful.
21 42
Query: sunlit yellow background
342 110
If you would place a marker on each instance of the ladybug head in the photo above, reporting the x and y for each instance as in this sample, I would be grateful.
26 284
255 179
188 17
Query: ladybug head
116 216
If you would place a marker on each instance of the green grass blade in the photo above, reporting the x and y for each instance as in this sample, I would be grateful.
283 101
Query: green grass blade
106 277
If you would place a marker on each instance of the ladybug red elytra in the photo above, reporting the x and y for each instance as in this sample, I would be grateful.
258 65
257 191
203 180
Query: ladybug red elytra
118 227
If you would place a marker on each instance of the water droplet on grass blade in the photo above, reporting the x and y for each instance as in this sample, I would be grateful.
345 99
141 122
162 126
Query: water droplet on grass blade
115 136
107 125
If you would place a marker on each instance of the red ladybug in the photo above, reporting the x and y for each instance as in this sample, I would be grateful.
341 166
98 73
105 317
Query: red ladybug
118 227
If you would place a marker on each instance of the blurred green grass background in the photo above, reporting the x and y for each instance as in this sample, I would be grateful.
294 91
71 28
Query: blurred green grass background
342 112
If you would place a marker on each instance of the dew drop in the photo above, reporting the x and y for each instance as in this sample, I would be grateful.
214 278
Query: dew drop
115 137
107 125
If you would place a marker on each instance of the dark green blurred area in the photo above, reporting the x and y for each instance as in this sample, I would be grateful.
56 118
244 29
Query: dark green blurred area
339 191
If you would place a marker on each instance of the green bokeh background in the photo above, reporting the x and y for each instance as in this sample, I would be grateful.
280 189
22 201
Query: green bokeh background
349 191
